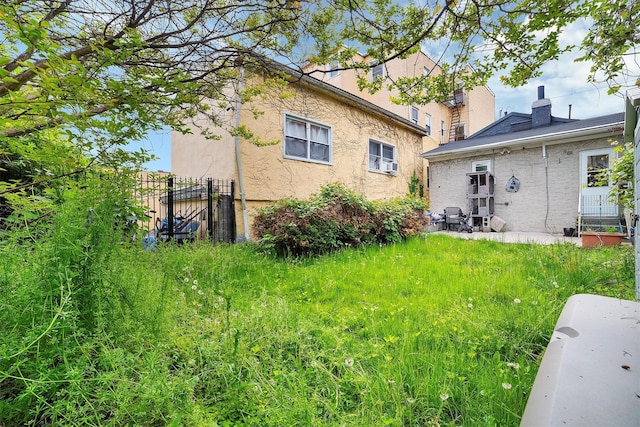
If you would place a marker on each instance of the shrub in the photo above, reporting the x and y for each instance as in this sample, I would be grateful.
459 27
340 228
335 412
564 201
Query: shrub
334 218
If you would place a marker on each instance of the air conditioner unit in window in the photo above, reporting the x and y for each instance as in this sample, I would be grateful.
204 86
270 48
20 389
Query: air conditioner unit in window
390 167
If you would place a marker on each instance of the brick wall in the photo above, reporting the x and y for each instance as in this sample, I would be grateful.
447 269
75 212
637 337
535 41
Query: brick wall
536 206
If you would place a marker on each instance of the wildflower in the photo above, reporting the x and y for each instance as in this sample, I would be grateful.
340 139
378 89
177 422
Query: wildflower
194 287
444 396
349 362
410 400
234 313
195 281
506 386
516 300
392 381
186 280
200 292
470 305
515 366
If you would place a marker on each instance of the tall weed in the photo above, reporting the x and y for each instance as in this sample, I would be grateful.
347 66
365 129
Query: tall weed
58 300
434 331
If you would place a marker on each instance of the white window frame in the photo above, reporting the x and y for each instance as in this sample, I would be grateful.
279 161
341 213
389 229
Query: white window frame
376 159
481 166
415 113
377 70
333 72
427 123
463 126
309 125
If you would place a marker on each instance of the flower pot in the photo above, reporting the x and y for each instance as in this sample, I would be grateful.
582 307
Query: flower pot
592 239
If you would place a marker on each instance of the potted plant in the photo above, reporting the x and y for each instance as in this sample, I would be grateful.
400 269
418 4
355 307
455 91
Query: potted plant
609 237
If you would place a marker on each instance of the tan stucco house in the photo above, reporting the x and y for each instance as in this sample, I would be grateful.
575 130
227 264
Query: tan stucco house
325 130
534 172
463 114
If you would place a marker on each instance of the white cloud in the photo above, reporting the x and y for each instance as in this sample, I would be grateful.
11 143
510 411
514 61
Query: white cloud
566 84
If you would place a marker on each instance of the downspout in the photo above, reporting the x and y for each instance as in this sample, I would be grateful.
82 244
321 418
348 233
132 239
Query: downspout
546 183
239 158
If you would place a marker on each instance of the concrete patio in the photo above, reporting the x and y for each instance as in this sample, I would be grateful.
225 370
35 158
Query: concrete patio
515 237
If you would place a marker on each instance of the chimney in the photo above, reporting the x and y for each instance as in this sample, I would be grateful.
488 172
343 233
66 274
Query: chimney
541 110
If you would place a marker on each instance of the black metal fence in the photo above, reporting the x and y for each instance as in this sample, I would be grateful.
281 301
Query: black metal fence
187 209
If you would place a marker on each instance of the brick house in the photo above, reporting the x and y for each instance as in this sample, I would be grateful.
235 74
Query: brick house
542 170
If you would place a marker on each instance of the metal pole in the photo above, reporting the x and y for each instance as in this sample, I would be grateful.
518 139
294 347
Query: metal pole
210 208
170 209
243 200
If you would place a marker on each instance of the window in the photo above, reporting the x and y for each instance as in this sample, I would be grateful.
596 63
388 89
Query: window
426 72
414 115
427 120
595 165
307 140
377 70
442 128
382 157
333 70
460 133
428 177
481 166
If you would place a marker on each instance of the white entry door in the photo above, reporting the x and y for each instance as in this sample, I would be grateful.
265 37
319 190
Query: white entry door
595 198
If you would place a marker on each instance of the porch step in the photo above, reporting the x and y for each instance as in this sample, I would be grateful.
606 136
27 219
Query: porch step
601 223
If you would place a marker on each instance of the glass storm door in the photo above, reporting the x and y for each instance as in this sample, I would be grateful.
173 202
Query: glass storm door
595 198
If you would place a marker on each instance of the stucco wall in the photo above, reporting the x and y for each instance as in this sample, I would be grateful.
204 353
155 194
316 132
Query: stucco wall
269 176
533 207
480 109
478 112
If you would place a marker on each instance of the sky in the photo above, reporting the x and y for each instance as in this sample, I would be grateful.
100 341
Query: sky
565 83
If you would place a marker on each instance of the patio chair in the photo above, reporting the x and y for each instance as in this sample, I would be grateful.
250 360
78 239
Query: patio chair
452 217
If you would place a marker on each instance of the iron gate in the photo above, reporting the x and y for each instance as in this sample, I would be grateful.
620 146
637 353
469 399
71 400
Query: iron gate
187 209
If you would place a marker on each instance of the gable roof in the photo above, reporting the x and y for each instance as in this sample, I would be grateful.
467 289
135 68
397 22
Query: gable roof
562 132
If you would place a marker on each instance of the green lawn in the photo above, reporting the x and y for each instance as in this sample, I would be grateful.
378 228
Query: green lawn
434 331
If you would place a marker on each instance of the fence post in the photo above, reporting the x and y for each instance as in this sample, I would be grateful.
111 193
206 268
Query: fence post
210 208
233 213
170 208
